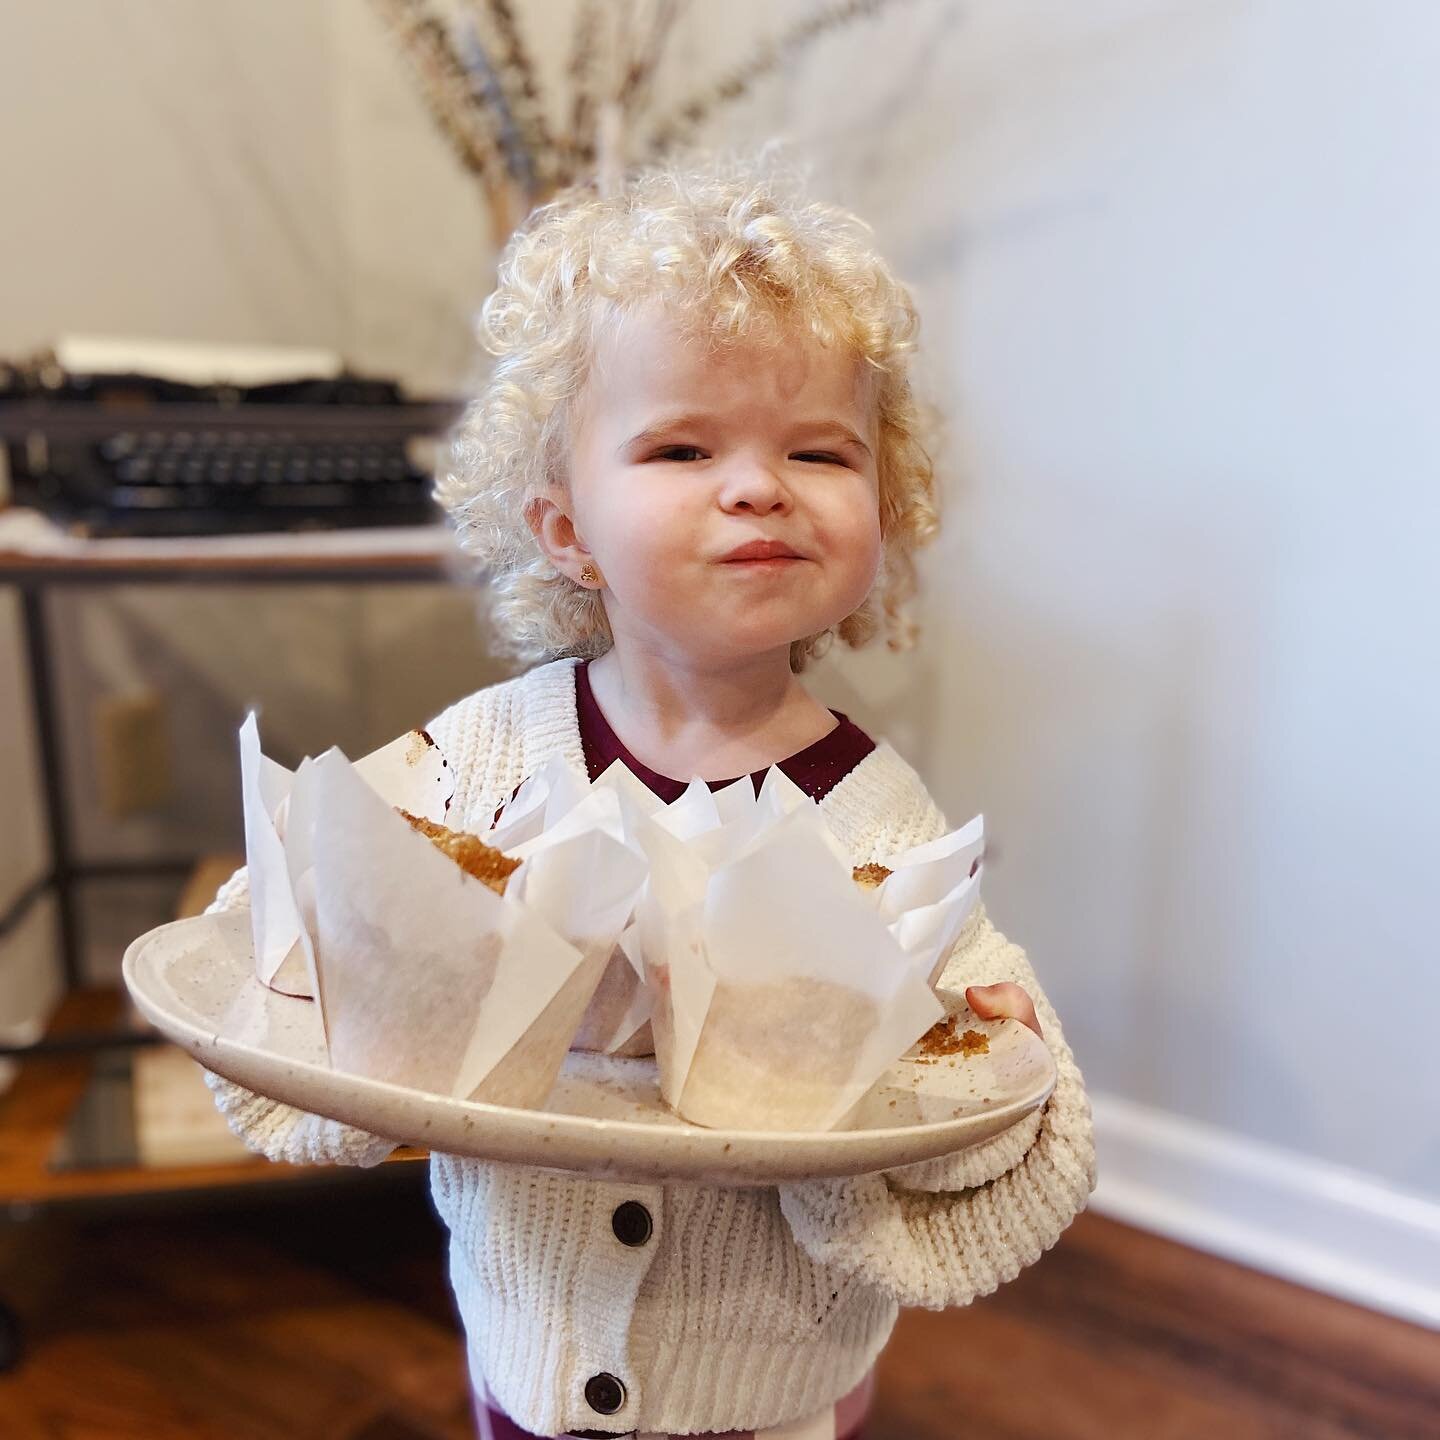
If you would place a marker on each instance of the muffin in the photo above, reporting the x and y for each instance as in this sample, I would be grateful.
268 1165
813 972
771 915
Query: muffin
486 864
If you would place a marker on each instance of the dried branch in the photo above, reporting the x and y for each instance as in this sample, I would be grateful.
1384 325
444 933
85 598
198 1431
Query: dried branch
445 85
584 76
485 96
639 76
679 127
488 93
449 94
497 31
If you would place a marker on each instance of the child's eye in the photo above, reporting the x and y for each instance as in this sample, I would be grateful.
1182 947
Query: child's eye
684 454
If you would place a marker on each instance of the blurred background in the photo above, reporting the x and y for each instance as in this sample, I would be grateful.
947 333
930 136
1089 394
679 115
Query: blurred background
1175 263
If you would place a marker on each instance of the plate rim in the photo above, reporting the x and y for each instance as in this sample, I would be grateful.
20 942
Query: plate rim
722 1142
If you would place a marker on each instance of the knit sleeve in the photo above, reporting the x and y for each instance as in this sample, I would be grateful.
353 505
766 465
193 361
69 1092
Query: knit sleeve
953 1229
272 1128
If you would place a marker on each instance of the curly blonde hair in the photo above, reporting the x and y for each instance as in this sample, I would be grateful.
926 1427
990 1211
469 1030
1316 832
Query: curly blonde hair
734 246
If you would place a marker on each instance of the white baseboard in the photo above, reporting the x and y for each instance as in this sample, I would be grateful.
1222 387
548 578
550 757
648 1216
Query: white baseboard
1318 1224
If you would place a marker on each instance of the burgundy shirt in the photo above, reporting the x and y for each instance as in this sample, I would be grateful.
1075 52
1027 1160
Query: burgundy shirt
817 769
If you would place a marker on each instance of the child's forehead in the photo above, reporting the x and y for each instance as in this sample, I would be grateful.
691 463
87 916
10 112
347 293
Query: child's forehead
655 351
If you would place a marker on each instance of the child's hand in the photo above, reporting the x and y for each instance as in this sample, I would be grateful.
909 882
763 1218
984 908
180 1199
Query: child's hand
1005 1001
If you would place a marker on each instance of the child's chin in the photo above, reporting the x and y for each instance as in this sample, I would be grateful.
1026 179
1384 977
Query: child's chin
764 642
732 633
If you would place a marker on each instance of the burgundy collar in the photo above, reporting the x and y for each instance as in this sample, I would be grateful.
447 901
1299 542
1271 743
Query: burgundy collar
817 769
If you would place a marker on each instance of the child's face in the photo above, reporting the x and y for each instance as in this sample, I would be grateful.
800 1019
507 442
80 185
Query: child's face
678 457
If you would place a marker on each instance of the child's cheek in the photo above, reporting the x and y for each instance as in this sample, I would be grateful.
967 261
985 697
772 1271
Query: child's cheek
654 559
854 540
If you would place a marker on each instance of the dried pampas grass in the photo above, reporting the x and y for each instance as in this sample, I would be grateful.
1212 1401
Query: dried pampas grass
485 93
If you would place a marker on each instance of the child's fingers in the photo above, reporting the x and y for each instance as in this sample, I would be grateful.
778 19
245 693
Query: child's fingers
1004 1001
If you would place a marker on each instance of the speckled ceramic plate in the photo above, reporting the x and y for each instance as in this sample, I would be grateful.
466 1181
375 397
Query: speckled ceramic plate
195 981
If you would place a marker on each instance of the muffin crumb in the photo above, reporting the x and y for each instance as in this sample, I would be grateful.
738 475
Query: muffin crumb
869 876
941 1039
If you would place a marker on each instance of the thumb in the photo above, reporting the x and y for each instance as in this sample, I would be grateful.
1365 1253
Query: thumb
1003 1001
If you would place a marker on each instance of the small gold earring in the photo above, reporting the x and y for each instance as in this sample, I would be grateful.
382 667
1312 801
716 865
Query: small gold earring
589 575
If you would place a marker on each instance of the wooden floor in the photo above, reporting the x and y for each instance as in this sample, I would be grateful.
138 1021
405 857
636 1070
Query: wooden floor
260 1317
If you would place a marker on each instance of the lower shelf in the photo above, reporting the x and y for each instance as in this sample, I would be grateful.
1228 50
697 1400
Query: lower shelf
76 1126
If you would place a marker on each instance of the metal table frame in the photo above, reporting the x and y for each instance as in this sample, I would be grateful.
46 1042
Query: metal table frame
33 575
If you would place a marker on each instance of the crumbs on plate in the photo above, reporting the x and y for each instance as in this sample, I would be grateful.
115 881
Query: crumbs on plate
867 877
941 1039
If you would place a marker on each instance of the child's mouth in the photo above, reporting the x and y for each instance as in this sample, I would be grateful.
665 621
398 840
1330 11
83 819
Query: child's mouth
771 562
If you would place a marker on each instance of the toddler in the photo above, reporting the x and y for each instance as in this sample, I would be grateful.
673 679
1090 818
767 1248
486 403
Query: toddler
696 462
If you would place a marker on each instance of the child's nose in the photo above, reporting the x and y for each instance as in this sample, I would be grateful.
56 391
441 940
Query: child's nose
755 488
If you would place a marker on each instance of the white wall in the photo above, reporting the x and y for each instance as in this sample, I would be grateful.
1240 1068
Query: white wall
167 170
1177 266
1176 263
258 171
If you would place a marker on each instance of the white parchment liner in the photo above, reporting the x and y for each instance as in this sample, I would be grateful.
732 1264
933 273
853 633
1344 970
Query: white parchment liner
782 991
930 892
429 979
553 803
409 772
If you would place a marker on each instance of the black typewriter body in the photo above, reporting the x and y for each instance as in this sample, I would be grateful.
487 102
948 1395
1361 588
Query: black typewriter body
131 455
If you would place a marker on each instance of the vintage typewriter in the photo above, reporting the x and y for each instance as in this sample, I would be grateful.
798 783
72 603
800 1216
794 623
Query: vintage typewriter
111 454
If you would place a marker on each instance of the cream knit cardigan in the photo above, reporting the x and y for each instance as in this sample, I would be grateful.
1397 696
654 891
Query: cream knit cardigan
746 1308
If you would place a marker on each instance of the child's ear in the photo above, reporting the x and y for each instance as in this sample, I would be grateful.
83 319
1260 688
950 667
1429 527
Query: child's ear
554 533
